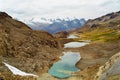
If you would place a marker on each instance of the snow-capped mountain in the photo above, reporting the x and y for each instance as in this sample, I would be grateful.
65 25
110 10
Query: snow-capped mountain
55 25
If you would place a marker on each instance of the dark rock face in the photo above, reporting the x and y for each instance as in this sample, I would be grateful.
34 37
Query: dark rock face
3 15
94 26
1 78
28 50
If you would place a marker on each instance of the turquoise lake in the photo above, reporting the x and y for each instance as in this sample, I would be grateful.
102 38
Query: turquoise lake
64 67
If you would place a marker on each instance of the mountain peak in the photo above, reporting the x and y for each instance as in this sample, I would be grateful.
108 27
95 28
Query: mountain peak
56 25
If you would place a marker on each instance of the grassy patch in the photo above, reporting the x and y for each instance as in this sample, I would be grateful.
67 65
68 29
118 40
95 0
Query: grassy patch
102 34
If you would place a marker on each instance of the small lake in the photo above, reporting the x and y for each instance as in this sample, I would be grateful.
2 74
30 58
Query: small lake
66 66
75 44
72 36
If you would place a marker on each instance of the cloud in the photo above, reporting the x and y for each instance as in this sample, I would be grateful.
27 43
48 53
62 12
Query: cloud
27 9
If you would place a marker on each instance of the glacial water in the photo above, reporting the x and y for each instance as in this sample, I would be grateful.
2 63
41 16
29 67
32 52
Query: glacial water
66 66
75 44
72 36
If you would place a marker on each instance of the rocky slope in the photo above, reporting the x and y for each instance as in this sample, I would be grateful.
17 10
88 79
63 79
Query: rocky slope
110 21
110 69
28 50
100 60
62 34
104 34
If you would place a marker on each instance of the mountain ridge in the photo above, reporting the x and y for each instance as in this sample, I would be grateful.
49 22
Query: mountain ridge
108 19
29 50
104 34
56 25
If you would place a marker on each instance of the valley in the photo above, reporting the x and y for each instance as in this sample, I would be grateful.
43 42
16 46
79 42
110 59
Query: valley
97 45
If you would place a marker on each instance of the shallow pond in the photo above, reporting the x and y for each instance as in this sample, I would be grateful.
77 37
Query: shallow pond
66 66
75 44
72 36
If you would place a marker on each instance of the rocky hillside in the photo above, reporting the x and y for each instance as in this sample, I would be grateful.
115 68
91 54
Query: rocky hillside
104 34
110 70
28 50
62 34
114 16
108 21
105 28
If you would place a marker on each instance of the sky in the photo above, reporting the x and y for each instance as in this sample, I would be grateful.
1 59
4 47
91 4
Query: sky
88 9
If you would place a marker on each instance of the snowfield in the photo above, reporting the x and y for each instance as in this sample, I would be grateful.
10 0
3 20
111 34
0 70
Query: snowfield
16 71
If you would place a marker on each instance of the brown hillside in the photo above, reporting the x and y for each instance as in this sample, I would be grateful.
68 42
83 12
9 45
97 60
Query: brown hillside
104 34
28 50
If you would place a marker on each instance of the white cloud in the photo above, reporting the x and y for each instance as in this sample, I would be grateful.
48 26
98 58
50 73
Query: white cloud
27 9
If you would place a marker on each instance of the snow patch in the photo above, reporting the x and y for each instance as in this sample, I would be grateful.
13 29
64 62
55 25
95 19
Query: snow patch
17 71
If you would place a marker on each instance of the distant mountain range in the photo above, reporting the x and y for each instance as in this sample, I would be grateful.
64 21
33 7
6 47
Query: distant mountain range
55 25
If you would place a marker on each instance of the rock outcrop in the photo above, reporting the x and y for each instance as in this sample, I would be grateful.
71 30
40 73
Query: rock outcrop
110 68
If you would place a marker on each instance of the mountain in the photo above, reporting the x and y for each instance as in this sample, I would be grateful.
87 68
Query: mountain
34 51
108 20
104 28
55 25
100 58
20 46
